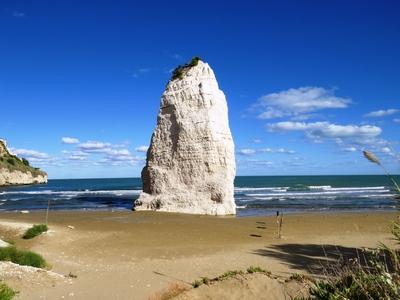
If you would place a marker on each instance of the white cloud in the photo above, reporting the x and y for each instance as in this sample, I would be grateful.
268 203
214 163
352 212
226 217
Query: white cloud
279 150
29 154
381 113
257 141
295 102
386 150
76 155
69 140
396 120
246 151
350 149
140 71
142 148
35 157
117 153
177 56
319 130
94 146
18 14
249 152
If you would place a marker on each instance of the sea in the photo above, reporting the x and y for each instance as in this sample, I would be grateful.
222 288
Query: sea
254 195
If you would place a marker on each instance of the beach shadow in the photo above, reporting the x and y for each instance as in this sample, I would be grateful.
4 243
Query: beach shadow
313 258
261 227
259 222
255 235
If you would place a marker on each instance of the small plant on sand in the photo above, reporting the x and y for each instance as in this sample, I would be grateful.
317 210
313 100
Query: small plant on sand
35 230
205 280
197 283
229 274
21 257
6 293
300 277
256 269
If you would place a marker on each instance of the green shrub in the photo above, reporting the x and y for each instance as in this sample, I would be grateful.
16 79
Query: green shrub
11 161
180 70
35 230
6 293
196 283
195 61
21 257
253 269
25 162
229 274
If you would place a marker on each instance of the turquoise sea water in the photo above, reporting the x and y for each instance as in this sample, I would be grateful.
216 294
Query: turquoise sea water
254 195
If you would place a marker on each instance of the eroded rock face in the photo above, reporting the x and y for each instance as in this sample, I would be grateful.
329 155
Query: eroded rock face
15 177
190 164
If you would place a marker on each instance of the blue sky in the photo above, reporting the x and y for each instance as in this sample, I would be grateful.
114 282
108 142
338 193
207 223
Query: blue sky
309 84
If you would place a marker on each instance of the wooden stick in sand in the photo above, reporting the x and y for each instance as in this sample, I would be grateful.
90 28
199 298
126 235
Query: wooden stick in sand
279 221
47 211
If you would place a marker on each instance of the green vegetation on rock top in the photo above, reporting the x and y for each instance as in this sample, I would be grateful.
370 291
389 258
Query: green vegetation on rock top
180 70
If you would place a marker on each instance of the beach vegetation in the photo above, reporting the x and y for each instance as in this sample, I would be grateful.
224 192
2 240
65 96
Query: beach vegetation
256 269
229 274
180 70
6 293
205 280
25 162
197 283
35 230
22 257
300 277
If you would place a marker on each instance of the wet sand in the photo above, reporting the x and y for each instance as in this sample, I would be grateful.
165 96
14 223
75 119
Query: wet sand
131 255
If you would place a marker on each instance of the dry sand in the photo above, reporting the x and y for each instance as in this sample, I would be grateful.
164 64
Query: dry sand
132 255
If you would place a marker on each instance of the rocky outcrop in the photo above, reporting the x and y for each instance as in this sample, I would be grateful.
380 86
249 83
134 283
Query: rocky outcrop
16 171
190 164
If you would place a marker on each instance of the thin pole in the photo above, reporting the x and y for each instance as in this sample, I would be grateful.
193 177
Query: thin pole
47 211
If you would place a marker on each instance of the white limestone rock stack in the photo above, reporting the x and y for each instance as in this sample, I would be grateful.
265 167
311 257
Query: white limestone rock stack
190 164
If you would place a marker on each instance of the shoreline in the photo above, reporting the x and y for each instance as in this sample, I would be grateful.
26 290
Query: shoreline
125 252
272 214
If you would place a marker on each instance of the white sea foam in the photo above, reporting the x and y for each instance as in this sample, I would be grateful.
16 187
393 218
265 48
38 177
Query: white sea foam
248 189
73 193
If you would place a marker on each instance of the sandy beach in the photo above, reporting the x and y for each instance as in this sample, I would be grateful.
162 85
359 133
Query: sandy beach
132 255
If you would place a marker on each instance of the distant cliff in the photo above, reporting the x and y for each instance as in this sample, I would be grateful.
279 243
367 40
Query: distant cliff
15 170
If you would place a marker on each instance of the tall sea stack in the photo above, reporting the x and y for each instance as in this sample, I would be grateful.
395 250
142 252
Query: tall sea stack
190 164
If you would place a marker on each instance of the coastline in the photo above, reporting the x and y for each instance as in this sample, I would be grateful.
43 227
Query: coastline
125 252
